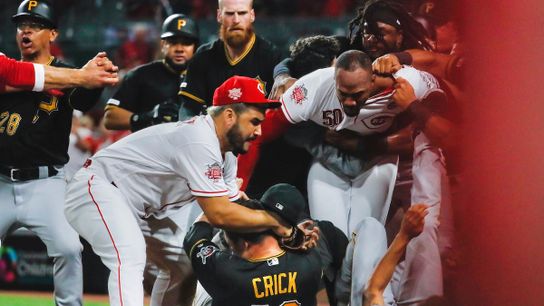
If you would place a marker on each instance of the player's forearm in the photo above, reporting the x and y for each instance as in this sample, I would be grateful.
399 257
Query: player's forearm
440 132
224 214
117 118
59 78
434 63
384 270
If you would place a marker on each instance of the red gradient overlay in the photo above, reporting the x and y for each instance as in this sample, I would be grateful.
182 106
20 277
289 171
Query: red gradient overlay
500 209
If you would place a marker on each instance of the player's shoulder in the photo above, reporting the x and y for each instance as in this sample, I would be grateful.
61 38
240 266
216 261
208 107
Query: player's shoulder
264 47
422 82
206 48
197 129
415 76
318 78
147 67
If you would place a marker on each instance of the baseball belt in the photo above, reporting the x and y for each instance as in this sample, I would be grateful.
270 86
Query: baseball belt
26 174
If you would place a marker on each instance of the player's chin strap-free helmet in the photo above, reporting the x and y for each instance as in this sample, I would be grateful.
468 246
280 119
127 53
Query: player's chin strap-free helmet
180 25
40 10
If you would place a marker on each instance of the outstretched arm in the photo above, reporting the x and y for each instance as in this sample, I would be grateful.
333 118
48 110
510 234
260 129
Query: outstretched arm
412 226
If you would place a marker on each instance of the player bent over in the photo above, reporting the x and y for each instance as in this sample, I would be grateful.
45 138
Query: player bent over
157 171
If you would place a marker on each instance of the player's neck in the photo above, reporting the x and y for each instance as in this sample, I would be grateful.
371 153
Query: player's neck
38 58
267 248
234 53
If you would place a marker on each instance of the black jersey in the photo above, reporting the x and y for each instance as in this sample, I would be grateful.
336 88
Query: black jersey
211 66
146 86
287 279
35 127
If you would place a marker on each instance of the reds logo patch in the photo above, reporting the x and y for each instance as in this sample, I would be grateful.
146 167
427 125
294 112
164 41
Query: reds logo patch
206 252
299 94
214 172
380 121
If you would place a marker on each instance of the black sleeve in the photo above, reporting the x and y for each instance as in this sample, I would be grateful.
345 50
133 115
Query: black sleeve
199 231
208 261
196 82
84 99
128 93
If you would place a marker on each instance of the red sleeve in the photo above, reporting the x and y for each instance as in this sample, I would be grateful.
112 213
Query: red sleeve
273 126
16 74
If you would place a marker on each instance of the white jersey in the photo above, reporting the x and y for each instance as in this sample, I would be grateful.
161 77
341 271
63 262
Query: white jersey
163 167
313 97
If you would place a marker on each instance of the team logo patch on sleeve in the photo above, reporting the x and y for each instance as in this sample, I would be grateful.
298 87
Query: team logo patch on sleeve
214 172
206 252
299 94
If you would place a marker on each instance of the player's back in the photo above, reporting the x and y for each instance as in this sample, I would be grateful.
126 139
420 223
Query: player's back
287 279
153 167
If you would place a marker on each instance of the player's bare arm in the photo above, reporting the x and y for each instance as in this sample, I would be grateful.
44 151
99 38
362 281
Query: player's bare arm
231 216
282 82
439 129
411 227
117 118
98 72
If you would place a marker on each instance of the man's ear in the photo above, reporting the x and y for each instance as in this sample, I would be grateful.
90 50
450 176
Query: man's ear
252 15
230 117
400 38
53 34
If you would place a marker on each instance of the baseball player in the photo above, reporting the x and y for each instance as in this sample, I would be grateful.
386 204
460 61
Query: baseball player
255 269
148 95
98 72
34 135
161 169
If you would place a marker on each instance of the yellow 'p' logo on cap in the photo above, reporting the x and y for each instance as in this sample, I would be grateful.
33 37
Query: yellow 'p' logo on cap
32 4
181 23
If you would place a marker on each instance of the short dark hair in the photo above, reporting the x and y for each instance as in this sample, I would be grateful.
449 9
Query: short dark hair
312 53
352 60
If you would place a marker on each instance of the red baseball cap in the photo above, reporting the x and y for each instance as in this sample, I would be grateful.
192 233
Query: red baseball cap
241 89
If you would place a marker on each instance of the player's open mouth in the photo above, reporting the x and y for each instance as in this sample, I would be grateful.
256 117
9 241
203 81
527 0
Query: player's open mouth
26 42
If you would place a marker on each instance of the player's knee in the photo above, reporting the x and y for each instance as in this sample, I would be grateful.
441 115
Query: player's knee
369 226
69 250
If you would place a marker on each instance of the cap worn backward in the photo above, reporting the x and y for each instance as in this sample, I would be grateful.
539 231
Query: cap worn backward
241 89
40 10
286 195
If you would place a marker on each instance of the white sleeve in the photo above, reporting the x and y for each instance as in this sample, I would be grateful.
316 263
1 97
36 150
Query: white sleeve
203 169
39 77
423 83
296 102
229 173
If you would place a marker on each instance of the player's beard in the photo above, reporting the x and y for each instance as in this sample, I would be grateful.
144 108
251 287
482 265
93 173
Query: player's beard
236 140
176 67
236 39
